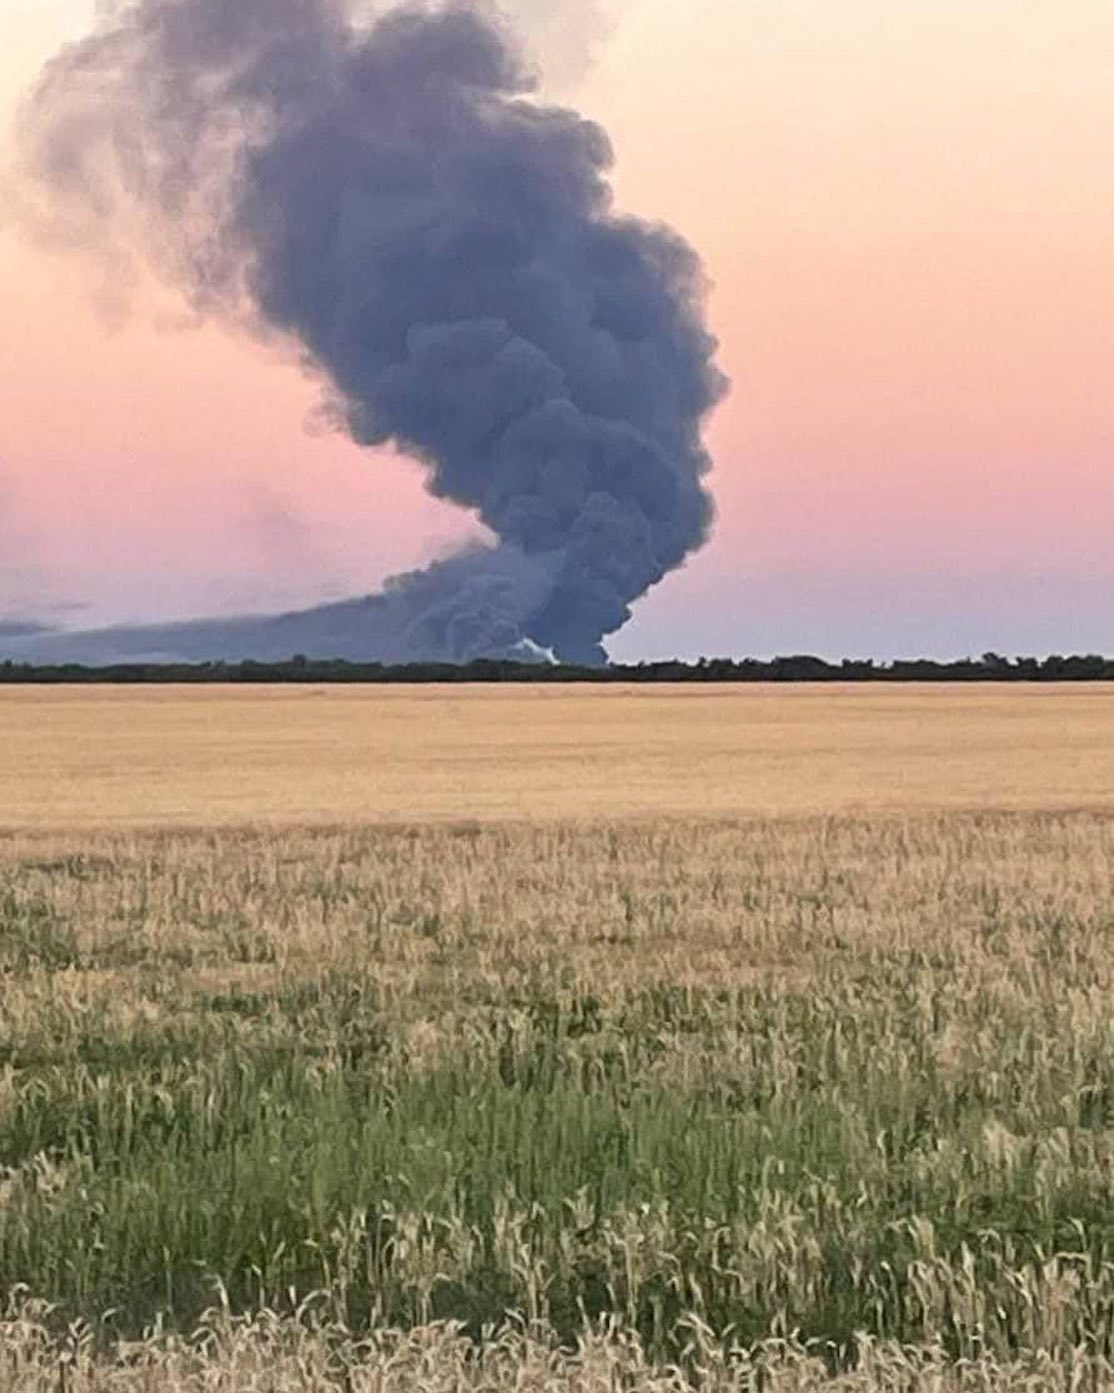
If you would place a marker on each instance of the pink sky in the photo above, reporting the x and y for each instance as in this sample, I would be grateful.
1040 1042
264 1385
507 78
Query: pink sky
907 211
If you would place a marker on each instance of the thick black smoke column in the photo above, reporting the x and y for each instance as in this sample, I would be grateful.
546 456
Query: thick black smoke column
442 249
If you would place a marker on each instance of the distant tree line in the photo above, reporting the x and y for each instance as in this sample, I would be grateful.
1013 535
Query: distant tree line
991 667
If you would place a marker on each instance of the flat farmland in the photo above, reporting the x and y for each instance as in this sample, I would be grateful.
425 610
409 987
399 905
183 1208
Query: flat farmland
533 1039
225 756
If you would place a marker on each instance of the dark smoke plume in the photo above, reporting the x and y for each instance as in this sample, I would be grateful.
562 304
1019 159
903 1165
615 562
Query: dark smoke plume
442 250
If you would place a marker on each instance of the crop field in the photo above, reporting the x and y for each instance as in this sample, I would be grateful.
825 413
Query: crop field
135 757
585 1084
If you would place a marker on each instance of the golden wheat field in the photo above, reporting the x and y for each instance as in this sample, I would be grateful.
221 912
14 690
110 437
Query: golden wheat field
141 757
532 1039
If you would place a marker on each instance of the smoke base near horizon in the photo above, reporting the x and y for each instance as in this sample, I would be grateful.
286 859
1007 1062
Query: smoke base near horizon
440 249
410 620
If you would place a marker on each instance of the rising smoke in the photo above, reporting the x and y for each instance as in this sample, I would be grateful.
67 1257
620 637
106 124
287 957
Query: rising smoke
441 248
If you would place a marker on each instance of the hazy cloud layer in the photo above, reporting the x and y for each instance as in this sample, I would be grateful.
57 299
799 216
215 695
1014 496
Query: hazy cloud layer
26 597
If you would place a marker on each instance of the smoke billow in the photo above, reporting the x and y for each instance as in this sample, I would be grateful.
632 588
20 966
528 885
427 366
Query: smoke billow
442 250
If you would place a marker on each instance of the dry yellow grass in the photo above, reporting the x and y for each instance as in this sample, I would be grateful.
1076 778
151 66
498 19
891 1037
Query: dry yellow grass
268 1355
438 915
133 757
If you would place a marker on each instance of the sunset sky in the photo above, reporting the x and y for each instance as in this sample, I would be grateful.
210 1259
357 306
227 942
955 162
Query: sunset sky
906 208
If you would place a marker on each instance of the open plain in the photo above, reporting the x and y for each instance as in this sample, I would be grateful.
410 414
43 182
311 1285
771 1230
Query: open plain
544 1038
96 757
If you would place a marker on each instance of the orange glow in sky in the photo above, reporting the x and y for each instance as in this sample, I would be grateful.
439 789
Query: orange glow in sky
907 212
